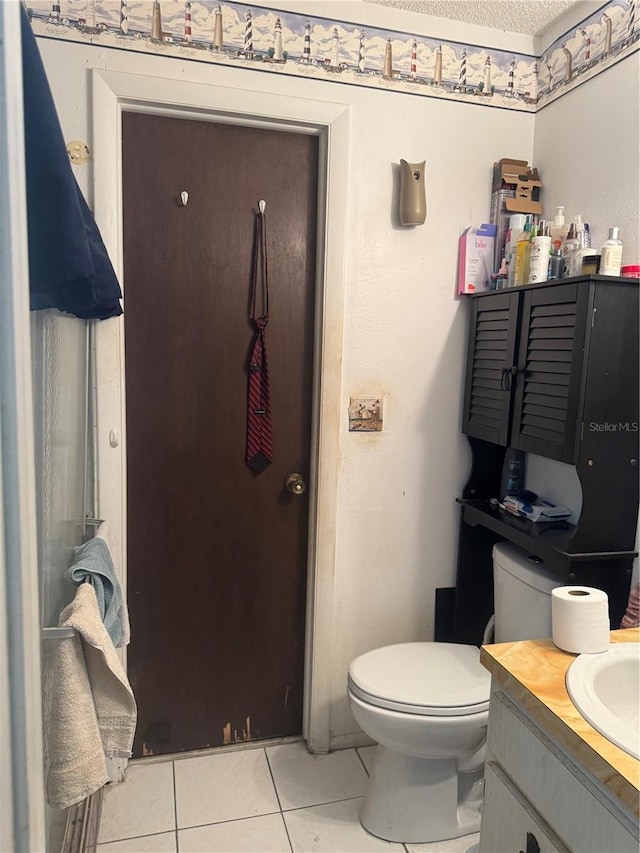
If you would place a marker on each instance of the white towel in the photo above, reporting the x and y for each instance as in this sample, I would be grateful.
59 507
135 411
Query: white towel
105 532
93 708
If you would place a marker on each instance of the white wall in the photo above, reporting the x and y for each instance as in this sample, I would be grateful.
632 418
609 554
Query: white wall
404 337
587 146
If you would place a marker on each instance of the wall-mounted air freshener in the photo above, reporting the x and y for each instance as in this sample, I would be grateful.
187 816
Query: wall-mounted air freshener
413 202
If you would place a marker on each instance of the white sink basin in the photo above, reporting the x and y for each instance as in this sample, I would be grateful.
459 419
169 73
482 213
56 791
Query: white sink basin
605 688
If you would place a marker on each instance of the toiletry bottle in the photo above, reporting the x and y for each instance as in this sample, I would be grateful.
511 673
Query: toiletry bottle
558 230
539 260
582 250
579 258
587 236
527 252
516 226
590 263
522 254
502 275
556 264
512 479
611 254
568 247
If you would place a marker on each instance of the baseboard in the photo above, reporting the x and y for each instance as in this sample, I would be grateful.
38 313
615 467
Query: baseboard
350 741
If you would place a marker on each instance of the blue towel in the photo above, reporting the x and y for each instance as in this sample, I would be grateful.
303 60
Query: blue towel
92 563
69 268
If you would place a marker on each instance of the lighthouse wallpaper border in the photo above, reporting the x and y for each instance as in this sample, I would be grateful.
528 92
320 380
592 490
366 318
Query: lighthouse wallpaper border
313 47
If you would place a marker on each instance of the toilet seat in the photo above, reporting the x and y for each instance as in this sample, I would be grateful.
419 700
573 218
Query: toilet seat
432 679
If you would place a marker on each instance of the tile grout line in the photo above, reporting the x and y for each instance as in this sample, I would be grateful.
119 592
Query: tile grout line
175 806
273 780
275 788
133 837
323 803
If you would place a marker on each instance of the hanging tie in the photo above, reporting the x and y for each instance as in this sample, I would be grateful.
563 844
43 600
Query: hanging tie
259 449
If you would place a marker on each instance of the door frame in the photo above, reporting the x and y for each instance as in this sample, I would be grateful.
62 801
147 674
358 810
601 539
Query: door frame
22 802
114 92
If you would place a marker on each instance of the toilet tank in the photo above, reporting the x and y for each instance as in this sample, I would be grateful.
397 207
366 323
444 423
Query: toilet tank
521 594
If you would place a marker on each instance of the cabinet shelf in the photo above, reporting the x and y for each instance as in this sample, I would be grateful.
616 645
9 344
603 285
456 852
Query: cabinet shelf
551 541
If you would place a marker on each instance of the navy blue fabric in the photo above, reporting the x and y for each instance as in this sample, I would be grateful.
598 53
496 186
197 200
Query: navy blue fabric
69 268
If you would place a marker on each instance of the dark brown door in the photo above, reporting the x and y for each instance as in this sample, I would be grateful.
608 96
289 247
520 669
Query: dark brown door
216 554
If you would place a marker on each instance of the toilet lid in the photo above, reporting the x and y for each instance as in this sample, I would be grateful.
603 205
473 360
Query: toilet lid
441 679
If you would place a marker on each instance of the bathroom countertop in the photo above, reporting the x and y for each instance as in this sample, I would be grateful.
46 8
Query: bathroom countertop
534 672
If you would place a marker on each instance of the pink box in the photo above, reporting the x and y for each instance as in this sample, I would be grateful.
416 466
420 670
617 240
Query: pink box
475 258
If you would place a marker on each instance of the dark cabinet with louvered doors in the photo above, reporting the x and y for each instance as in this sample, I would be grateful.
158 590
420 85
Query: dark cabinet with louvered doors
547 385
492 347
530 352
553 369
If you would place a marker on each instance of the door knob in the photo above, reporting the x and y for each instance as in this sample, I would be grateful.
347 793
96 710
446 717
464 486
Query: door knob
295 484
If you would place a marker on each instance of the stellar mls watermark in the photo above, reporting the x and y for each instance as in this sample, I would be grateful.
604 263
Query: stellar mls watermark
619 427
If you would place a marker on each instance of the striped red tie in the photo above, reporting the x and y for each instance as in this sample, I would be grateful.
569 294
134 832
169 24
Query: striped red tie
259 448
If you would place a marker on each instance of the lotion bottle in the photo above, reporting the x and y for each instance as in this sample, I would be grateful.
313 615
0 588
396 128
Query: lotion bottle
611 254
539 260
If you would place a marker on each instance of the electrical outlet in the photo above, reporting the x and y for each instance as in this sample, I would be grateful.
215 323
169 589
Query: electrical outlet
365 414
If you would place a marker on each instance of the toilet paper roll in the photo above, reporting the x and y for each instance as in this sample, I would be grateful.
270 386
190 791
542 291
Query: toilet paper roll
580 619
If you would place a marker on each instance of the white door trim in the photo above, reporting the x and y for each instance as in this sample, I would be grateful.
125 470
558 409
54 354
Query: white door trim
114 92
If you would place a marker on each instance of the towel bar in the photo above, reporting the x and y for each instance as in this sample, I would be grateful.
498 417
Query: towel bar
58 633
67 633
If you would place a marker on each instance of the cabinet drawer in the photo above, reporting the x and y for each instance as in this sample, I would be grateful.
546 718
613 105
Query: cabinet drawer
573 807
514 826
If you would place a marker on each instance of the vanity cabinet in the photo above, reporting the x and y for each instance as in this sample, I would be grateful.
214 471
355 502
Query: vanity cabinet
538 798
553 370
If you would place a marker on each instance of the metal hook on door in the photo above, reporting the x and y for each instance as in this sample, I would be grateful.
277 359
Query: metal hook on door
184 198
262 204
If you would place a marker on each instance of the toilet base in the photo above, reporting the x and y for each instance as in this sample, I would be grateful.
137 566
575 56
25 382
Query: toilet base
415 800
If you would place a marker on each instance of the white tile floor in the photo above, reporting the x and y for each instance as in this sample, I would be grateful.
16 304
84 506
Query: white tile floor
274 799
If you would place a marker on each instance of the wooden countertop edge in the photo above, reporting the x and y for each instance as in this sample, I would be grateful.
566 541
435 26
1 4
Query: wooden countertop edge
534 671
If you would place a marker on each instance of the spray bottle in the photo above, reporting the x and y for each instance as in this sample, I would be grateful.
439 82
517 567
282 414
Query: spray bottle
568 248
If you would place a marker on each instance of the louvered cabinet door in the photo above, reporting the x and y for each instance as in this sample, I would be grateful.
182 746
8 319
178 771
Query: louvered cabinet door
550 359
492 342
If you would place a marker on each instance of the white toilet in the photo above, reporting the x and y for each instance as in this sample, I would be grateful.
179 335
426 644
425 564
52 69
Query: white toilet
427 705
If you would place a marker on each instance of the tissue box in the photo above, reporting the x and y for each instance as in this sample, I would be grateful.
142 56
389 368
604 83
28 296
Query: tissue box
475 258
539 511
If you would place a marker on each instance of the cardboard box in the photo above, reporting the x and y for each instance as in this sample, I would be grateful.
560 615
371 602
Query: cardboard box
515 188
506 173
475 258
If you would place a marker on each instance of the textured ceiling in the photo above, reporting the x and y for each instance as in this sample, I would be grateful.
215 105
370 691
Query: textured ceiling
515 16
